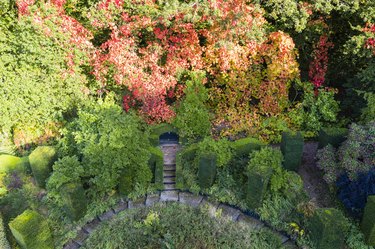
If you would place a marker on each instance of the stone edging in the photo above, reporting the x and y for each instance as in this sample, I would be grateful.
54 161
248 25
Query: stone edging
232 213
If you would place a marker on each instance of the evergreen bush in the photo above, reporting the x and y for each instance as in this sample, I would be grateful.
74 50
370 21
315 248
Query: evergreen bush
125 185
368 221
31 231
243 147
328 228
207 170
10 163
4 244
156 165
333 136
41 161
74 199
184 158
292 149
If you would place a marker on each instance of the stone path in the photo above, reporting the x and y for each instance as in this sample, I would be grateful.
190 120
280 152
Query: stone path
169 172
228 212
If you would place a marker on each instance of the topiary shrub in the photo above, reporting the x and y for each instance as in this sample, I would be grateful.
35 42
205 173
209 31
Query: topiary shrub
74 199
10 163
292 149
328 228
368 221
243 147
4 244
207 170
333 136
41 161
184 159
31 231
156 165
125 186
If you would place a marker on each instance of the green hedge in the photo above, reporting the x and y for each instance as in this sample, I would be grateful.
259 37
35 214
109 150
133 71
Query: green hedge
368 221
159 129
186 156
207 170
333 136
292 149
243 147
75 201
31 231
125 186
256 187
4 244
328 228
10 163
41 161
156 165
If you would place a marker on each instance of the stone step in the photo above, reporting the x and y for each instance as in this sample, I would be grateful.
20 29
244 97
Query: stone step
170 186
170 179
169 167
169 173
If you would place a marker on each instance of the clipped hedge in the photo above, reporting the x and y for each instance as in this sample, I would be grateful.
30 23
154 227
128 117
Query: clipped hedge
4 244
333 136
368 221
159 129
292 149
75 201
41 161
125 185
207 170
10 163
31 231
186 156
256 187
156 165
243 147
328 228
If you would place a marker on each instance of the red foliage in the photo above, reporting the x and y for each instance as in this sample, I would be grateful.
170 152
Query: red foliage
319 64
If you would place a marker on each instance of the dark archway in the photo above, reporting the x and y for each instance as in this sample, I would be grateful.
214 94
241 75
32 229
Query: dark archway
168 138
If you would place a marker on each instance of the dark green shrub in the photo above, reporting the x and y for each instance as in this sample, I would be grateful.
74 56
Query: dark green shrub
292 149
159 129
207 170
156 165
4 244
125 185
260 168
41 161
10 163
243 147
333 136
368 221
31 231
184 159
328 228
74 199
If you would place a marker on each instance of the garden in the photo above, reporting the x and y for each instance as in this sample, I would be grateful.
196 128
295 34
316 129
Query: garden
187 124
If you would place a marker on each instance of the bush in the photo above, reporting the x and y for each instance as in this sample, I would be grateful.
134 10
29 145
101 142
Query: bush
157 130
156 165
368 221
184 161
31 231
328 228
41 161
74 198
292 149
243 147
207 170
4 244
333 136
126 183
326 161
10 163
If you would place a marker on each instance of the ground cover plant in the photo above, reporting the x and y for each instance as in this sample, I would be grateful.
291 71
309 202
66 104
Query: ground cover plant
251 88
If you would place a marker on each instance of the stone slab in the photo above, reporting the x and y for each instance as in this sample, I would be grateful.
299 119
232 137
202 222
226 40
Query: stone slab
170 195
152 199
139 203
120 207
282 237
81 237
170 187
106 215
250 221
229 212
91 226
71 245
290 245
190 199
211 206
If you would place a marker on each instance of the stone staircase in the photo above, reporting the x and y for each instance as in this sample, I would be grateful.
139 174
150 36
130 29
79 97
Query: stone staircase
169 171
